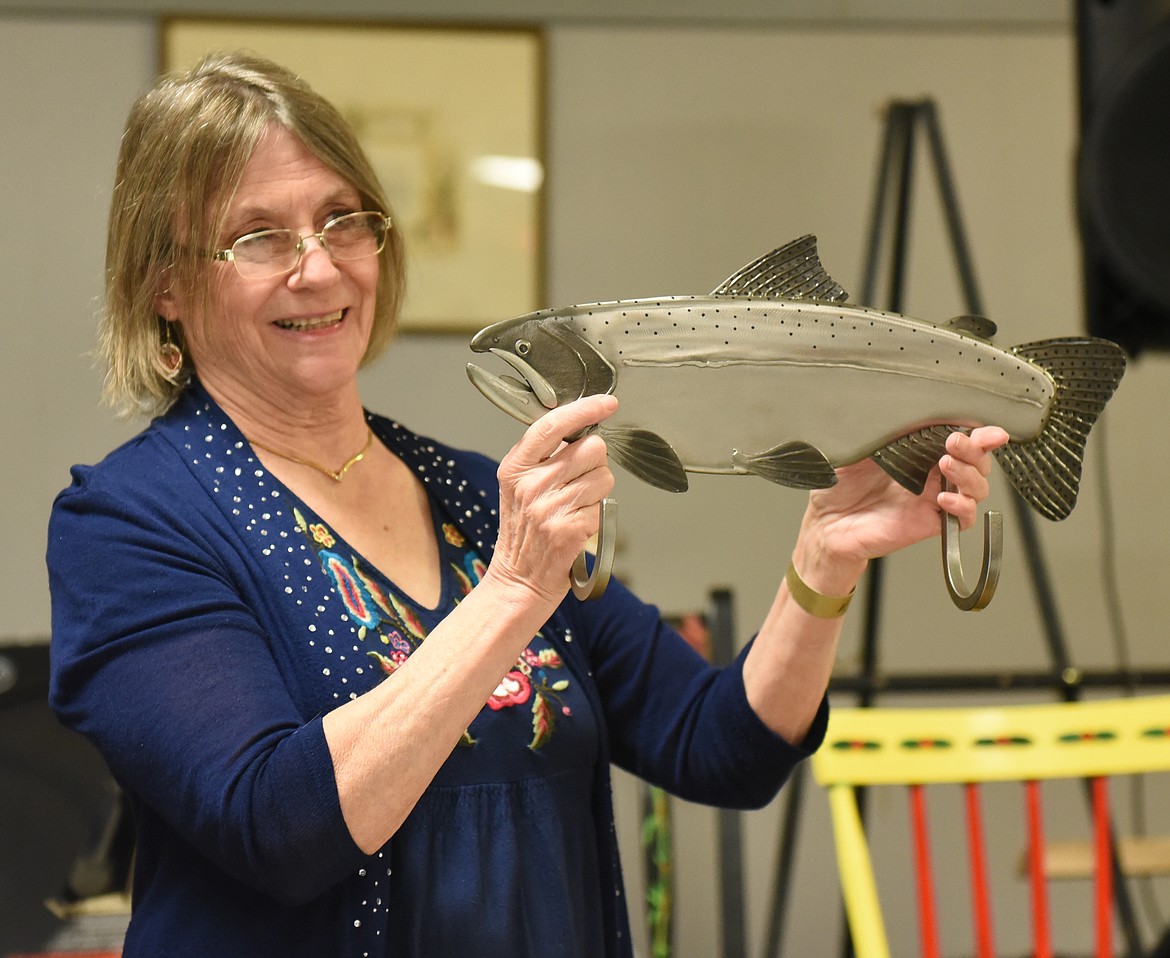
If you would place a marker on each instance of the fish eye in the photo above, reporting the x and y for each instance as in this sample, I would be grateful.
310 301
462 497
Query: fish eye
523 347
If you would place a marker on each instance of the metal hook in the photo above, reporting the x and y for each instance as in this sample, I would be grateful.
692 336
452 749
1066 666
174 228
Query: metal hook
588 585
984 589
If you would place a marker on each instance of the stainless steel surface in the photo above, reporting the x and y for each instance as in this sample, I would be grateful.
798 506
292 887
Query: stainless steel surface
591 584
979 595
775 374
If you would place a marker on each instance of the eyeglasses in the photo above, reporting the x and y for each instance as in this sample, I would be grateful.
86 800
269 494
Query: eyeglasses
273 252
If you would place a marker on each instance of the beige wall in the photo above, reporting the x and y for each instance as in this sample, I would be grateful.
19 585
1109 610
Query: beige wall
675 156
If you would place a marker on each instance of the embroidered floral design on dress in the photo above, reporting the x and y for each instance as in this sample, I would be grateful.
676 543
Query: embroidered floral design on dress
529 680
322 535
352 590
399 650
514 689
470 573
399 629
370 605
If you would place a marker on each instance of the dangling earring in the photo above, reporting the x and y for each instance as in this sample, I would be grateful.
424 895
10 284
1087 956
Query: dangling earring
170 357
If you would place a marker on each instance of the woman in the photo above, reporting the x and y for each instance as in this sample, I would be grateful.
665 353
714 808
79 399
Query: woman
241 592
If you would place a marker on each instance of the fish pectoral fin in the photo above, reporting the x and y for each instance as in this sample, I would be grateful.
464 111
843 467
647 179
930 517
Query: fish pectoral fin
908 460
793 271
646 455
796 464
977 327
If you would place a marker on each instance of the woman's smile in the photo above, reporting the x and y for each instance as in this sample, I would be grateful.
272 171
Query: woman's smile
311 323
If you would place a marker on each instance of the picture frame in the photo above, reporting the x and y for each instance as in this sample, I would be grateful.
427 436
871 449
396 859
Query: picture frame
452 119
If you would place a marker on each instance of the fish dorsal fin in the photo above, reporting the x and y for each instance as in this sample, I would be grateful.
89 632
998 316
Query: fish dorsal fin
647 455
797 464
908 460
793 271
978 327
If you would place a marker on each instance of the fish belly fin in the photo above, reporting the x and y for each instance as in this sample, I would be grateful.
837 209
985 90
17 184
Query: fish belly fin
977 327
792 271
796 464
1046 472
646 455
908 460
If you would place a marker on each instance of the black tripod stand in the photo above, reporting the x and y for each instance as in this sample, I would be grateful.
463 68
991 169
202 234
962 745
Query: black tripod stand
890 224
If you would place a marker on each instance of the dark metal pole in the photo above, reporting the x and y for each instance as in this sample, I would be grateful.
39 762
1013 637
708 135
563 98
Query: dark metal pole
785 860
730 844
898 163
950 202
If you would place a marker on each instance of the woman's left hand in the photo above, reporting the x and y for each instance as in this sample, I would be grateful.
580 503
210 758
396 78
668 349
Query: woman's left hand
867 514
864 516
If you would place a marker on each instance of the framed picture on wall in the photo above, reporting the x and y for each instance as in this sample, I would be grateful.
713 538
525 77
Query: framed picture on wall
452 119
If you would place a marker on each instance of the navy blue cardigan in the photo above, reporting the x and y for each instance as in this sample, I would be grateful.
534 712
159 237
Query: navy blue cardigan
182 596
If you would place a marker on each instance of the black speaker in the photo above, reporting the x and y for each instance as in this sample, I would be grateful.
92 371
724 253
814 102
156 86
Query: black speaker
1123 169
59 809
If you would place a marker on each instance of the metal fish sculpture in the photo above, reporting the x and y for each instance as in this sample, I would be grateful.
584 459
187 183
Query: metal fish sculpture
775 374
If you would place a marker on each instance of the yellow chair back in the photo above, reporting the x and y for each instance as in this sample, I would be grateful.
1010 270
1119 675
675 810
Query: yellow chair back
921 746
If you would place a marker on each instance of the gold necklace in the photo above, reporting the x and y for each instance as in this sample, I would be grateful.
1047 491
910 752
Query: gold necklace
335 476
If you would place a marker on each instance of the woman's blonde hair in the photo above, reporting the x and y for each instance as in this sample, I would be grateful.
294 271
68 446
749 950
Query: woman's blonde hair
183 151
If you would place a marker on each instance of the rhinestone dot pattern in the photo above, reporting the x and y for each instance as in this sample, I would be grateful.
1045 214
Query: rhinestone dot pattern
261 507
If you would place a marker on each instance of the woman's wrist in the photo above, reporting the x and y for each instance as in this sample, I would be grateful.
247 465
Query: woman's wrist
517 598
821 567
827 553
813 602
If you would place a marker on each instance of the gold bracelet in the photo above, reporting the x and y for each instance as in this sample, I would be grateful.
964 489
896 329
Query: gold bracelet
813 602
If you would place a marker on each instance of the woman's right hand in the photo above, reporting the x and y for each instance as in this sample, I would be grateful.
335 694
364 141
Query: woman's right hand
550 492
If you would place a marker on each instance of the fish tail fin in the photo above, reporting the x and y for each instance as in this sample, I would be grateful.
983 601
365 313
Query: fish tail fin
1046 472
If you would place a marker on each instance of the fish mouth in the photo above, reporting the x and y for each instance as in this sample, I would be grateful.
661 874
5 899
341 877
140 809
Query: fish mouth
555 366
525 399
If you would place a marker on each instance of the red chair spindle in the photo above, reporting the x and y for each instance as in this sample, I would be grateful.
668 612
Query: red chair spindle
927 913
1104 868
1041 936
981 898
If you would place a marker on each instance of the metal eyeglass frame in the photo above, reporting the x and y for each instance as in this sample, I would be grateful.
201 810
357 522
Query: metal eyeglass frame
229 254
